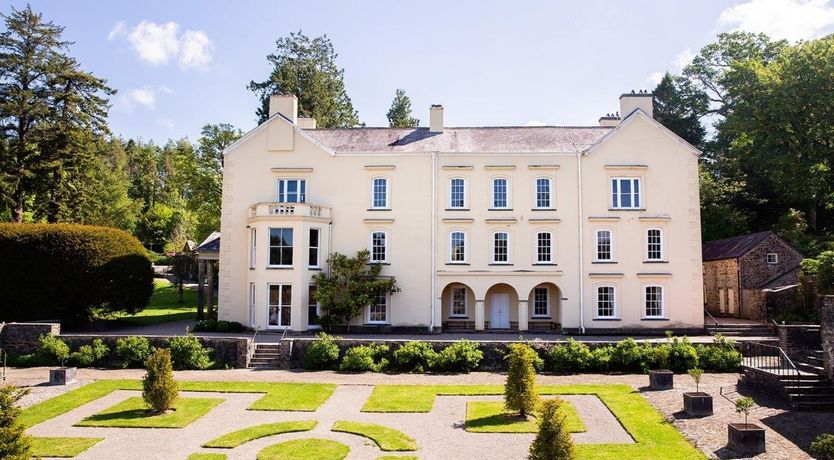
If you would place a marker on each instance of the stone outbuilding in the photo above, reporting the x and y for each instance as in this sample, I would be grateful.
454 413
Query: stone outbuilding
750 276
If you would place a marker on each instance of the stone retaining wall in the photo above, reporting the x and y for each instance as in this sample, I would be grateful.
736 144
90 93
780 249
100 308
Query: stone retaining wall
22 338
827 333
799 340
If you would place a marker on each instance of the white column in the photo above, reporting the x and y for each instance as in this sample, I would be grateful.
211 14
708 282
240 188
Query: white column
479 315
522 315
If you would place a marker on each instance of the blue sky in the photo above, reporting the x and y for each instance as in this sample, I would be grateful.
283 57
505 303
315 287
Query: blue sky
180 64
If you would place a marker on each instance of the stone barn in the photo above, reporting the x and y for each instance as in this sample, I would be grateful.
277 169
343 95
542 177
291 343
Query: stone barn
750 276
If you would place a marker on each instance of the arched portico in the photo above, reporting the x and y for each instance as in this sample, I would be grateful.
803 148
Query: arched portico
502 308
544 306
458 305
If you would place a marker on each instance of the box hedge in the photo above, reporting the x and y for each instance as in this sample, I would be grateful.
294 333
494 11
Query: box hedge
69 272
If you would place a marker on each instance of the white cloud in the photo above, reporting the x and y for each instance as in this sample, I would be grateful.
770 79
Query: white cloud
654 78
789 19
684 58
117 31
159 44
535 123
145 96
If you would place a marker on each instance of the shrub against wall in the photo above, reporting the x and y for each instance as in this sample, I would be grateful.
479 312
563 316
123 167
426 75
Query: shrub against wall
67 272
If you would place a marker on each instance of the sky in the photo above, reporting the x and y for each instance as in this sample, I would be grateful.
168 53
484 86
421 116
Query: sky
178 65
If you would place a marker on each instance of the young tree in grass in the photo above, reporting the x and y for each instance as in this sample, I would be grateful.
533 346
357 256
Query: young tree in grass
14 443
160 391
553 441
520 391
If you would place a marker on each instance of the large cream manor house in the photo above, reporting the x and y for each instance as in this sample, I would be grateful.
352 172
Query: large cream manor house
591 229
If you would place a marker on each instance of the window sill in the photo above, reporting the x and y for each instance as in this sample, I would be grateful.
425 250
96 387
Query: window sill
655 261
543 209
457 263
501 264
457 209
379 263
500 209
282 267
604 262
252 268
314 269
378 209
377 323
626 209
545 264
606 319
458 317
541 317
654 319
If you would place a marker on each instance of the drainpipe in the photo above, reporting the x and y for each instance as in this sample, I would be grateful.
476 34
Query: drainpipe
581 244
433 237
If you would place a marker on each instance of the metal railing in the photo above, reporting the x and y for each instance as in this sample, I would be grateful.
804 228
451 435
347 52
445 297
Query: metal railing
711 317
770 359
4 355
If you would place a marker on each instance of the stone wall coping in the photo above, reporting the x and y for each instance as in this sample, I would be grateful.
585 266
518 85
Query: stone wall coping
799 326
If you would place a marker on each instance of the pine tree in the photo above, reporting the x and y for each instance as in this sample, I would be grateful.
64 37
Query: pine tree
307 68
520 393
553 441
399 115
160 391
14 443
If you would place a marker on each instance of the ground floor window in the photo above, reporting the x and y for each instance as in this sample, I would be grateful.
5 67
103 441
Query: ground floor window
541 302
280 300
654 301
378 310
458 301
313 308
606 302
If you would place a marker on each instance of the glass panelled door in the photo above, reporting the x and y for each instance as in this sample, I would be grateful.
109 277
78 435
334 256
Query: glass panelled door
280 301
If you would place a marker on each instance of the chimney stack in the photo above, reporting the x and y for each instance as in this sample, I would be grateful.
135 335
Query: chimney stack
286 105
436 118
643 100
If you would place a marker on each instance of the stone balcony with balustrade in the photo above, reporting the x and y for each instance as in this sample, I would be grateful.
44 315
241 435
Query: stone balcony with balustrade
274 210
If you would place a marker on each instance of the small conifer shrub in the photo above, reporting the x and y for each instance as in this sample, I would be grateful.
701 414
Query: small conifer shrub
14 443
553 441
160 391
520 391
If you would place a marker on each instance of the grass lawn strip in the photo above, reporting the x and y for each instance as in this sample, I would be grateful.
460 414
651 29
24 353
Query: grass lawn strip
206 456
388 439
61 447
134 413
236 438
654 437
164 306
278 396
491 417
305 449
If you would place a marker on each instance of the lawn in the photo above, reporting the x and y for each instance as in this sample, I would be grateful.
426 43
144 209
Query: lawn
61 447
236 438
134 413
654 437
305 449
491 417
388 439
165 306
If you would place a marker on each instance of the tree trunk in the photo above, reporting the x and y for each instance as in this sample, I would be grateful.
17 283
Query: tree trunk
17 211
812 217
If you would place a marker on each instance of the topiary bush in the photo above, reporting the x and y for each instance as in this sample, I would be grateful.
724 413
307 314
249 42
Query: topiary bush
89 270
365 358
721 356
90 355
14 443
414 356
159 390
188 353
132 351
52 349
461 356
571 357
823 446
323 353
520 393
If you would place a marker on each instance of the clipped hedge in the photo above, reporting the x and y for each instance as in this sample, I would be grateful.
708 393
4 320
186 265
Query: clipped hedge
68 272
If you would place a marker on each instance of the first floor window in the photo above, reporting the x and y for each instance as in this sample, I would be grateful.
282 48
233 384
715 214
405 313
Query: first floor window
654 301
458 301
378 310
280 301
380 193
312 308
292 191
280 246
625 193
457 247
253 247
314 248
603 250
544 247
500 248
378 247
654 244
543 193
499 193
606 302
457 193
541 302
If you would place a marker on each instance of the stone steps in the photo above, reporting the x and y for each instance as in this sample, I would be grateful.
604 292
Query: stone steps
741 330
266 356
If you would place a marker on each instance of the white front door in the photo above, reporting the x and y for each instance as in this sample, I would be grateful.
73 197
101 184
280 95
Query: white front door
500 318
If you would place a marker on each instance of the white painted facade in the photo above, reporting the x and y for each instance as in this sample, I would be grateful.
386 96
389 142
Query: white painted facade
581 228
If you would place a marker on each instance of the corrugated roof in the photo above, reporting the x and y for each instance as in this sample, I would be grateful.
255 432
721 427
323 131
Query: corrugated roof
731 248
511 139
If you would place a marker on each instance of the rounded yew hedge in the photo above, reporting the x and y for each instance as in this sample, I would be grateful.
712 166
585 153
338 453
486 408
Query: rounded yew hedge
68 272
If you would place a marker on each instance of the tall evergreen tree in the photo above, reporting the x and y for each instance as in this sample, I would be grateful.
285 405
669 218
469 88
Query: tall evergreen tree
207 176
399 115
307 68
679 107
48 108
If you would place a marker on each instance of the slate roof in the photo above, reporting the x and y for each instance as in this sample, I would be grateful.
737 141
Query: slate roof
210 244
510 139
731 248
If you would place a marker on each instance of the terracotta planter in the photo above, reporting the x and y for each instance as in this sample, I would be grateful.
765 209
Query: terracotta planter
697 404
661 380
62 376
746 438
